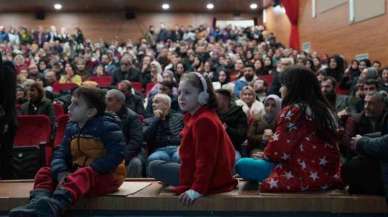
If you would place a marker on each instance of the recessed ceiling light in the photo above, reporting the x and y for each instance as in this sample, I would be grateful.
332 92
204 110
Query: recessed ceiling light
57 6
210 6
165 6
253 6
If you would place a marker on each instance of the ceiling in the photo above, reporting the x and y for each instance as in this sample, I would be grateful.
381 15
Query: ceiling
233 6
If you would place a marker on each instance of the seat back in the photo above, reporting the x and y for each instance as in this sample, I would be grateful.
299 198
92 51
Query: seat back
102 81
33 130
30 144
58 109
64 87
137 86
61 126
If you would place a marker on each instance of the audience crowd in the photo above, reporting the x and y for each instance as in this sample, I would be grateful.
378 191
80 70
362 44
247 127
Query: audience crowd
258 104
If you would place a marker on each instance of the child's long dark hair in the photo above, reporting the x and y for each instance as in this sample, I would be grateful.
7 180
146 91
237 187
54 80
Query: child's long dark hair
303 87
195 81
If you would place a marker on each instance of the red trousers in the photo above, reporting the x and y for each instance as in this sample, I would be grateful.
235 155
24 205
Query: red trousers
82 182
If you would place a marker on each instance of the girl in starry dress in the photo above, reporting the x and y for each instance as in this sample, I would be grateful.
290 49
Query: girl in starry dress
302 155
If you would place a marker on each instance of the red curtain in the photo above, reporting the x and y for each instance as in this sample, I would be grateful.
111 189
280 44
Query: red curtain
292 11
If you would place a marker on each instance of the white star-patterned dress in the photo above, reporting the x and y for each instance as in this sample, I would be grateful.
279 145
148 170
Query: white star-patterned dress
304 161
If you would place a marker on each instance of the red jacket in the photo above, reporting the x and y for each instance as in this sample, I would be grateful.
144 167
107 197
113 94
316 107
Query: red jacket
304 161
207 155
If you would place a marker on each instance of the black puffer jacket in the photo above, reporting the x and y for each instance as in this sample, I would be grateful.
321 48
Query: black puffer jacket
237 125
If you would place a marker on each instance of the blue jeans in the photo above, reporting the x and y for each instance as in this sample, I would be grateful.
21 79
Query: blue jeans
168 154
254 169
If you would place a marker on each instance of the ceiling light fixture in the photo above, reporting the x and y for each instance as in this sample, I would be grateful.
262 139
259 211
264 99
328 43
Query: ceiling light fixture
57 6
165 6
210 6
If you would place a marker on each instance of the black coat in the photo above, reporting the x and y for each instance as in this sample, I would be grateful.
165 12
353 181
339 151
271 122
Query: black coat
44 107
376 148
132 75
237 125
133 132
161 133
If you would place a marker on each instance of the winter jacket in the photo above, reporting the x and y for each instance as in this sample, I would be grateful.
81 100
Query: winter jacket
99 144
207 155
237 125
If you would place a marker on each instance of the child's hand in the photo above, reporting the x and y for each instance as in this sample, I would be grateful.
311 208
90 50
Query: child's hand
258 154
188 197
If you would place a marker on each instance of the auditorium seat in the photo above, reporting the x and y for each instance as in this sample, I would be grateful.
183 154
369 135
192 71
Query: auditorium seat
137 86
267 78
61 126
147 196
149 87
30 145
341 91
58 109
65 87
102 81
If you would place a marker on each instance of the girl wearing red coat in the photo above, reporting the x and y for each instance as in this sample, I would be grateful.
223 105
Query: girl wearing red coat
206 153
302 154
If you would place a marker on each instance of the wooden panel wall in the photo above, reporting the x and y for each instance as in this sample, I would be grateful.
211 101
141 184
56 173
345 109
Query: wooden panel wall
330 32
110 26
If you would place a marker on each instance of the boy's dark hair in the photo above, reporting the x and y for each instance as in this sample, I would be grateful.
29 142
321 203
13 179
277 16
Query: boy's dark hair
94 98
168 84
224 92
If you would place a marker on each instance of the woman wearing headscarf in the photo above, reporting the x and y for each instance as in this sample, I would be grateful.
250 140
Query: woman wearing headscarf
262 128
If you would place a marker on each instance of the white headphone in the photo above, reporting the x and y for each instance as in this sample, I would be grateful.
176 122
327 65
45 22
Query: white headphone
203 96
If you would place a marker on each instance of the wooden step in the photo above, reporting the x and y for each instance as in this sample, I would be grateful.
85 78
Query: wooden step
150 195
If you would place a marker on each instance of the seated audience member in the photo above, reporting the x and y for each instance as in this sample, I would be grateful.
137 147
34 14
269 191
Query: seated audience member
277 75
37 103
351 75
248 78
335 67
384 79
162 130
207 162
223 81
127 71
261 129
354 103
165 87
21 95
373 119
261 88
369 178
371 86
369 73
132 100
302 154
50 79
233 118
132 129
251 107
70 76
328 88
33 72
